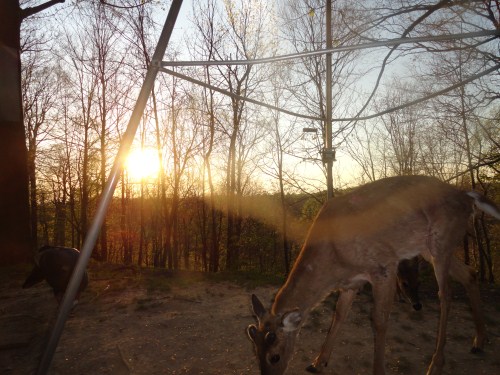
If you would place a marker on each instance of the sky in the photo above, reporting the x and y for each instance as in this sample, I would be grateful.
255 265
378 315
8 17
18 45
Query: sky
344 165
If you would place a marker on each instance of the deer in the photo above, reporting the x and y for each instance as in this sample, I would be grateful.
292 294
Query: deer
361 237
55 264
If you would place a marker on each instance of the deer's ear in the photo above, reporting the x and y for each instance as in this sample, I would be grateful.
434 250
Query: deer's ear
257 307
291 321
252 331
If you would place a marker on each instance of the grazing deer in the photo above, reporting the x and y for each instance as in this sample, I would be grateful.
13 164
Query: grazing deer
55 265
361 237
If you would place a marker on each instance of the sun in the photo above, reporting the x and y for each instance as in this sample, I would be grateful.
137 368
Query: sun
142 164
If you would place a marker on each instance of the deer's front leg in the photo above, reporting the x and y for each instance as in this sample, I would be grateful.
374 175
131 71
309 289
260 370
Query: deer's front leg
342 308
384 289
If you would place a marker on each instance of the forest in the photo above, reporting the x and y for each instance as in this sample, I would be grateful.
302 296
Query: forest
217 182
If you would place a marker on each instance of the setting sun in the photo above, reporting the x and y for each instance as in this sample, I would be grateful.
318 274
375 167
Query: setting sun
141 164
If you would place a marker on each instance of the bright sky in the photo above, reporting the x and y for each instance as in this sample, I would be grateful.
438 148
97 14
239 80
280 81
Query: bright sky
343 166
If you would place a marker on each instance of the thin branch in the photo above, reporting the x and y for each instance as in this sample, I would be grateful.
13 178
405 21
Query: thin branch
144 2
430 11
27 12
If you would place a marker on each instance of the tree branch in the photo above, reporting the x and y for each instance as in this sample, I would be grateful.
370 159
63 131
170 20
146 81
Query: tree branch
143 2
27 12
430 10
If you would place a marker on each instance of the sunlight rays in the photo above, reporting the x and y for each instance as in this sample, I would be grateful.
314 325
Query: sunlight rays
142 164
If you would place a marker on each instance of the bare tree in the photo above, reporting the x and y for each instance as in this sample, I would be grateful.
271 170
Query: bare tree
100 32
303 28
403 128
182 145
206 27
15 222
85 88
39 92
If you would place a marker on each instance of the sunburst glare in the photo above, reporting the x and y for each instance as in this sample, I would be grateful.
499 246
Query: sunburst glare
142 164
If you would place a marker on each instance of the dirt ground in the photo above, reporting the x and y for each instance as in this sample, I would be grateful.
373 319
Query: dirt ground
143 322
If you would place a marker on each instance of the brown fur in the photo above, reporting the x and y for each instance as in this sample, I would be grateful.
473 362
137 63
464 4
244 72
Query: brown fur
361 237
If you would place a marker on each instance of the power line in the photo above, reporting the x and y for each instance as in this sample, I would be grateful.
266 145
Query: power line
424 98
235 96
382 43
342 119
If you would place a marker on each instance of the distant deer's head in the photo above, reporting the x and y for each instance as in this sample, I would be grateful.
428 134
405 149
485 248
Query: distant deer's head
273 338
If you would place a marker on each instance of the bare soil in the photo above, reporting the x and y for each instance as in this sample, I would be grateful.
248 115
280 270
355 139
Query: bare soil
132 321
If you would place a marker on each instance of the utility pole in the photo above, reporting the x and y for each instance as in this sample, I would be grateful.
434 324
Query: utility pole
328 155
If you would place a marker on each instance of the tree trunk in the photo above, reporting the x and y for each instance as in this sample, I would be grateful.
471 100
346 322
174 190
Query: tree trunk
142 233
284 223
14 193
103 237
60 223
33 196
84 206
232 256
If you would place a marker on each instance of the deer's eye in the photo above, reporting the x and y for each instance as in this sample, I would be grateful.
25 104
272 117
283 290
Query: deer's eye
275 359
270 338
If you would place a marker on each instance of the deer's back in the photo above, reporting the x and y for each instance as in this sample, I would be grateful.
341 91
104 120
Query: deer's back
388 220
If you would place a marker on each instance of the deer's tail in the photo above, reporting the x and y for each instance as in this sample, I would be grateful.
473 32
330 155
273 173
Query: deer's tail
485 204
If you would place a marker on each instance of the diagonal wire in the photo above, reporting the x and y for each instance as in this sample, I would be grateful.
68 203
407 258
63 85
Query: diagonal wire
382 43
236 96
343 119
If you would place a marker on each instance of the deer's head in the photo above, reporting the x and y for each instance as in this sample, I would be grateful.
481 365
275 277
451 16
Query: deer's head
273 338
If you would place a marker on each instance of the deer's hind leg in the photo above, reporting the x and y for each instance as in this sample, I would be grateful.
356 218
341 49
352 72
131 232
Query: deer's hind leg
466 276
445 232
342 308
383 289
441 269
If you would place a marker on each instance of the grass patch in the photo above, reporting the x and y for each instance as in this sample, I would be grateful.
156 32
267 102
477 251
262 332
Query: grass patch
157 283
416 316
459 336
400 340
401 365
426 337
247 279
162 280
407 327
14 276
144 304
490 320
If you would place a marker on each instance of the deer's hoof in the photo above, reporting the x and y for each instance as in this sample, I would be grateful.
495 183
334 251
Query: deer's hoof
476 350
313 369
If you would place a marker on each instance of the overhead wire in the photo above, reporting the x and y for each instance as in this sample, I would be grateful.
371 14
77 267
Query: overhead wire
374 44
355 47
340 119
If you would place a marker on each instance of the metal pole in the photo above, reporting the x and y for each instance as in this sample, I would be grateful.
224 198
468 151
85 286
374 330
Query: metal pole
328 152
107 195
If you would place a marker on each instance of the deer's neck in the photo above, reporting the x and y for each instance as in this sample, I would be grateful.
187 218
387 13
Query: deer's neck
305 286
